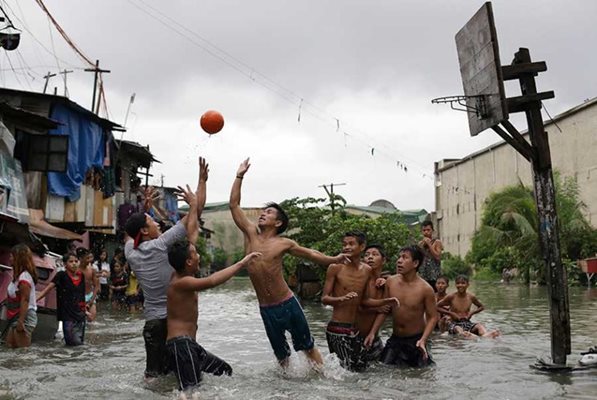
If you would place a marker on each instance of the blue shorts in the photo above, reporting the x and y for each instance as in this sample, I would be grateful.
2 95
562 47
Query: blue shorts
286 316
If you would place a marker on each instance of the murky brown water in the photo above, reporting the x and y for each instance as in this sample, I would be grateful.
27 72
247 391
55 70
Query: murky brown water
111 365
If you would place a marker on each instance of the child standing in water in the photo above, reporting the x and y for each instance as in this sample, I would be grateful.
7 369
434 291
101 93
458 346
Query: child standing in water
118 284
458 306
414 319
187 358
70 299
21 301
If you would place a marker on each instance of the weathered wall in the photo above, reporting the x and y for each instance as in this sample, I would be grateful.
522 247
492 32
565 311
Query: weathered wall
462 186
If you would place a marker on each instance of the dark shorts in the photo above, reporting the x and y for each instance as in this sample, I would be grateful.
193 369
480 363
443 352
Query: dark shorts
104 293
286 316
374 352
467 325
344 341
119 297
74 332
155 333
188 360
402 351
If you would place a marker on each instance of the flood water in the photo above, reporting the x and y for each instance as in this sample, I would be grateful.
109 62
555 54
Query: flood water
111 364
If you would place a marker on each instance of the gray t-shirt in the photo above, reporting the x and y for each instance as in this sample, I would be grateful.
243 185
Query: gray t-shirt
149 262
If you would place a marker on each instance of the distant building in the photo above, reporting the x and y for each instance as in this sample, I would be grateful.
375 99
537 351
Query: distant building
463 185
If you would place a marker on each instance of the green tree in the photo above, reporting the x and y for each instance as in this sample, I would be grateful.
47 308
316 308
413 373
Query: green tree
508 234
314 225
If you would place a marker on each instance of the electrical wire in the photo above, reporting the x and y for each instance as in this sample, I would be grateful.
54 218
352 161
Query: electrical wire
262 80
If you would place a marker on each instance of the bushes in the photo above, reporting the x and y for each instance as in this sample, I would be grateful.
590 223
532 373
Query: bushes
452 266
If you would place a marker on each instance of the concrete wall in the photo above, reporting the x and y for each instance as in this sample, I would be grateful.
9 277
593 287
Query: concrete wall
463 185
226 235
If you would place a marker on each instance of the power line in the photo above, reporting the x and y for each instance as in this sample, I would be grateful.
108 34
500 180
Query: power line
262 80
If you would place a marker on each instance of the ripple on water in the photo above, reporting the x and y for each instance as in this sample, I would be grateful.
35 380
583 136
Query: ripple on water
112 363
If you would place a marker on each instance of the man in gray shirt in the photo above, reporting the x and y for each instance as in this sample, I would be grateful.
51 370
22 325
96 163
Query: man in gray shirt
146 251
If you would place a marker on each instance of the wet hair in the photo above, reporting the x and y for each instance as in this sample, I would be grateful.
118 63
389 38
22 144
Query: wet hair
82 252
379 248
23 261
68 255
443 277
427 223
461 278
359 236
281 216
135 223
178 253
415 253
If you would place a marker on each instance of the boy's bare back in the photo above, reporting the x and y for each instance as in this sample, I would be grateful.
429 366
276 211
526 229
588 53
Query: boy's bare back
182 309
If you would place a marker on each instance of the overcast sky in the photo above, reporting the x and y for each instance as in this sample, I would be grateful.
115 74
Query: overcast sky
372 65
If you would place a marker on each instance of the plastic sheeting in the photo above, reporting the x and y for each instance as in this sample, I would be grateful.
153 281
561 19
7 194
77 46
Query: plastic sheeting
86 149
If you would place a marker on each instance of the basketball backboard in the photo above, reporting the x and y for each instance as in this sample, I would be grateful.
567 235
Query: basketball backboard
481 71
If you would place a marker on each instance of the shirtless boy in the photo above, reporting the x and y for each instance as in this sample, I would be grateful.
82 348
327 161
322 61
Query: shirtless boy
458 306
344 289
432 249
92 284
375 257
187 358
280 310
441 285
414 320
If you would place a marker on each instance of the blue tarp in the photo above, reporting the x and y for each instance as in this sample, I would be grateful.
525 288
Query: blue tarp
86 149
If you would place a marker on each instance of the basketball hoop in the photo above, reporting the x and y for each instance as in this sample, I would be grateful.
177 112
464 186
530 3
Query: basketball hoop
479 108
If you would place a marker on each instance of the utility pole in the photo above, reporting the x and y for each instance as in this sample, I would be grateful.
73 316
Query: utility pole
128 109
96 72
65 88
330 193
47 78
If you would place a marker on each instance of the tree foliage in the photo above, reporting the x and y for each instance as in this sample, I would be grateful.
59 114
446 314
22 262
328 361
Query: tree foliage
314 224
508 235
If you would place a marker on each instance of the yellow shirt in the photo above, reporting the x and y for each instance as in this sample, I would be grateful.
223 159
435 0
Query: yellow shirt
131 289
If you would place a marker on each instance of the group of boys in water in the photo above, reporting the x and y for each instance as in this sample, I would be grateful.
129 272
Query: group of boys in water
361 298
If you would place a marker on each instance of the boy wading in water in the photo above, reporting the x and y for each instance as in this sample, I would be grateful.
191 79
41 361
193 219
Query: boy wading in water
414 320
92 284
375 257
187 358
458 306
146 251
280 310
70 299
344 289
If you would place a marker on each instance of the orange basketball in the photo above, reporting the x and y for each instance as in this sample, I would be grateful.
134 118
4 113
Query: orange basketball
212 122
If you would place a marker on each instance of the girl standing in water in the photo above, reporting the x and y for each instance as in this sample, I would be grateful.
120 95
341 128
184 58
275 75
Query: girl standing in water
21 302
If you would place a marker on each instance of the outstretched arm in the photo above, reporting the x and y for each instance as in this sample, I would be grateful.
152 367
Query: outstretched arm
196 202
316 256
217 278
43 293
239 217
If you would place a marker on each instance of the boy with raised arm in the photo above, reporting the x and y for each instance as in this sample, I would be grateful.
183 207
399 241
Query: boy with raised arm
344 289
432 250
187 358
146 251
280 310
414 320
458 306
